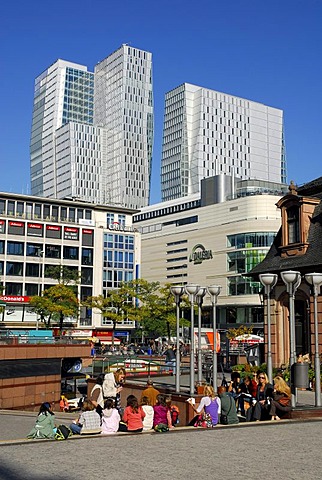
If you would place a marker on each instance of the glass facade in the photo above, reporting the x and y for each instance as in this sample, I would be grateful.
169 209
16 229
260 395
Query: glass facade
78 97
244 258
252 239
118 260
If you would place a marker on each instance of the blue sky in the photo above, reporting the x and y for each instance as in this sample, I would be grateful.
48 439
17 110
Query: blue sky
269 52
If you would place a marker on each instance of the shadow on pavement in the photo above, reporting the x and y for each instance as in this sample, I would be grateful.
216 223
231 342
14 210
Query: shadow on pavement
9 473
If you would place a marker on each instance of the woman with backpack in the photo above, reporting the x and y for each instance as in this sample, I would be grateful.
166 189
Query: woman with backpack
45 423
162 419
209 404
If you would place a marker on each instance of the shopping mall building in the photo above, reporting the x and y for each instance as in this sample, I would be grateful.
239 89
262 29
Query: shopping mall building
215 237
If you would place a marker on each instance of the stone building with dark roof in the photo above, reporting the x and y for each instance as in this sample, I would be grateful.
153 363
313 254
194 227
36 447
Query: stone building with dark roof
298 247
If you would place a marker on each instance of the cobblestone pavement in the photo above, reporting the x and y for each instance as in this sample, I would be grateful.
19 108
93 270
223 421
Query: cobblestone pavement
290 451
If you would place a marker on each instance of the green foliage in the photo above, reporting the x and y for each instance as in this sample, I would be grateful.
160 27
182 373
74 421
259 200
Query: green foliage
56 302
144 302
232 333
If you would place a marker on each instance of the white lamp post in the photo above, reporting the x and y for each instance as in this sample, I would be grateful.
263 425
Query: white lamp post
268 280
214 291
292 280
177 291
191 290
315 279
199 299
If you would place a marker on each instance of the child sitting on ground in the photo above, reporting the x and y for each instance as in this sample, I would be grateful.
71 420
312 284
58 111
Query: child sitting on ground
110 417
89 421
162 419
45 423
133 415
149 414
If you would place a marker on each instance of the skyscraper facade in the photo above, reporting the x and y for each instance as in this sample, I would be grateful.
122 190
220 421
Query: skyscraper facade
123 105
208 133
64 92
92 133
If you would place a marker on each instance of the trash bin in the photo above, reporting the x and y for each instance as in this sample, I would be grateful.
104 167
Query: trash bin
300 375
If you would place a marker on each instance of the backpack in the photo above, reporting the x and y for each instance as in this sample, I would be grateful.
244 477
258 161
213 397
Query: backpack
63 432
174 415
161 428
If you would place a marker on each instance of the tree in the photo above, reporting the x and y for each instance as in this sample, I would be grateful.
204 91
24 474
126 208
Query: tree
41 306
164 312
115 306
58 301
232 333
132 301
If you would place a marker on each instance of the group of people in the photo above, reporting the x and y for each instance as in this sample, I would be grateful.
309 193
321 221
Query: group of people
102 412
260 400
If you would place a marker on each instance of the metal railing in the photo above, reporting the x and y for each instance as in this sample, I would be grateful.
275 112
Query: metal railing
135 365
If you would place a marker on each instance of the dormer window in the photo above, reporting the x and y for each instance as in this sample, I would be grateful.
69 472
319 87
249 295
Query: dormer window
293 224
296 212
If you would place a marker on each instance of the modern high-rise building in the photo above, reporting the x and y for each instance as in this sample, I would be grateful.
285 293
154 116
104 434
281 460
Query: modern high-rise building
92 133
123 105
64 93
209 133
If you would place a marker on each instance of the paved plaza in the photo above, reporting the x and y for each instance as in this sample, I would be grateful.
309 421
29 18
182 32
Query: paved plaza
287 450
250 451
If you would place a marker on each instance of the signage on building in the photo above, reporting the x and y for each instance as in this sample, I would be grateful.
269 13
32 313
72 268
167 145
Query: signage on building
53 231
121 228
16 224
53 227
35 229
84 221
2 226
199 254
14 299
71 233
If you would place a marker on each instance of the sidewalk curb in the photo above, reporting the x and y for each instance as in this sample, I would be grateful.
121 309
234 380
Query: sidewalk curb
22 441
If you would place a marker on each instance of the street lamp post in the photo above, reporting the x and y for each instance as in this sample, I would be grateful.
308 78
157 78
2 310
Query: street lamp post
40 254
315 279
199 298
268 280
292 280
214 291
191 290
177 291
